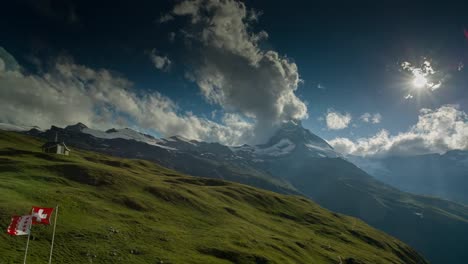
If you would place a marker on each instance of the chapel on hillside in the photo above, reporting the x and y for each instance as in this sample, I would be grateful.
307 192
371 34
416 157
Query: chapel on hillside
56 147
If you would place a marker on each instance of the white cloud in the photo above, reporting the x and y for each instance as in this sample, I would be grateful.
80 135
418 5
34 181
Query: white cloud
165 18
160 62
231 69
336 120
376 118
366 117
69 93
436 131
409 96
371 118
423 75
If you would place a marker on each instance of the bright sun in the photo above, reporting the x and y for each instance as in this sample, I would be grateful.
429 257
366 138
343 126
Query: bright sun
419 81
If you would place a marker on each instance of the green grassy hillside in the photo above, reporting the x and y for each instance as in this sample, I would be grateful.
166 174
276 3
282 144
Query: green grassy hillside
131 211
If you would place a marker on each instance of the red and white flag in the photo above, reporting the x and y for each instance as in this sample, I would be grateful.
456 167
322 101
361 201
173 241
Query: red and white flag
20 225
41 215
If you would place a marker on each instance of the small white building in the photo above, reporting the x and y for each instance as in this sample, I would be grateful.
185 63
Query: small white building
56 147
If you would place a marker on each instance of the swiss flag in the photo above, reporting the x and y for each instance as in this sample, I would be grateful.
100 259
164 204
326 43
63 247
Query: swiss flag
20 225
41 215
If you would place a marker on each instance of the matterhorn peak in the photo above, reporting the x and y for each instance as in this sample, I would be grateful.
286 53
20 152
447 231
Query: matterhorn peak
293 131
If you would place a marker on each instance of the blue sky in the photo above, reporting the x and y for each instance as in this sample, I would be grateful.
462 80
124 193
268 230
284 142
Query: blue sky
348 56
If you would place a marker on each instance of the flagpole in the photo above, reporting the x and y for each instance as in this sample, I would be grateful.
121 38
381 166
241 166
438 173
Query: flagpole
53 235
27 243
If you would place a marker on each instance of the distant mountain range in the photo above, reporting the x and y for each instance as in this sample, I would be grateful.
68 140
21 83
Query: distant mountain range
441 175
295 161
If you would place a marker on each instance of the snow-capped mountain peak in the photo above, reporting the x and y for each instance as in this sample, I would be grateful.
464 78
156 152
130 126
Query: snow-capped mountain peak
296 133
290 138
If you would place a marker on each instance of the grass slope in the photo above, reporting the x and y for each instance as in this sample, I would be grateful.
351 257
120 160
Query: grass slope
116 210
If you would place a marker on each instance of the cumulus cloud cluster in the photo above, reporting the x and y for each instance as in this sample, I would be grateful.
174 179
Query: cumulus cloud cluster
436 131
371 118
336 120
232 71
69 93
160 62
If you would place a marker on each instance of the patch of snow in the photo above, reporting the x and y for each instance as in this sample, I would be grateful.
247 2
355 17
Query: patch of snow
244 147
162 146
128 134
324 152
283 147
419 214
183 139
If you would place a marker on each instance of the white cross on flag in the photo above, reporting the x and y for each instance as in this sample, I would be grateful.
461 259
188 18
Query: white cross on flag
41 215
20 225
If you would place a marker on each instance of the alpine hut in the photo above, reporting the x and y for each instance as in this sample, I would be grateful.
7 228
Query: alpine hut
56 147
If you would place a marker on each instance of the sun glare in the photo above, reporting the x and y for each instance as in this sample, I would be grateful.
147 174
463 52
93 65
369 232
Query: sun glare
419 81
